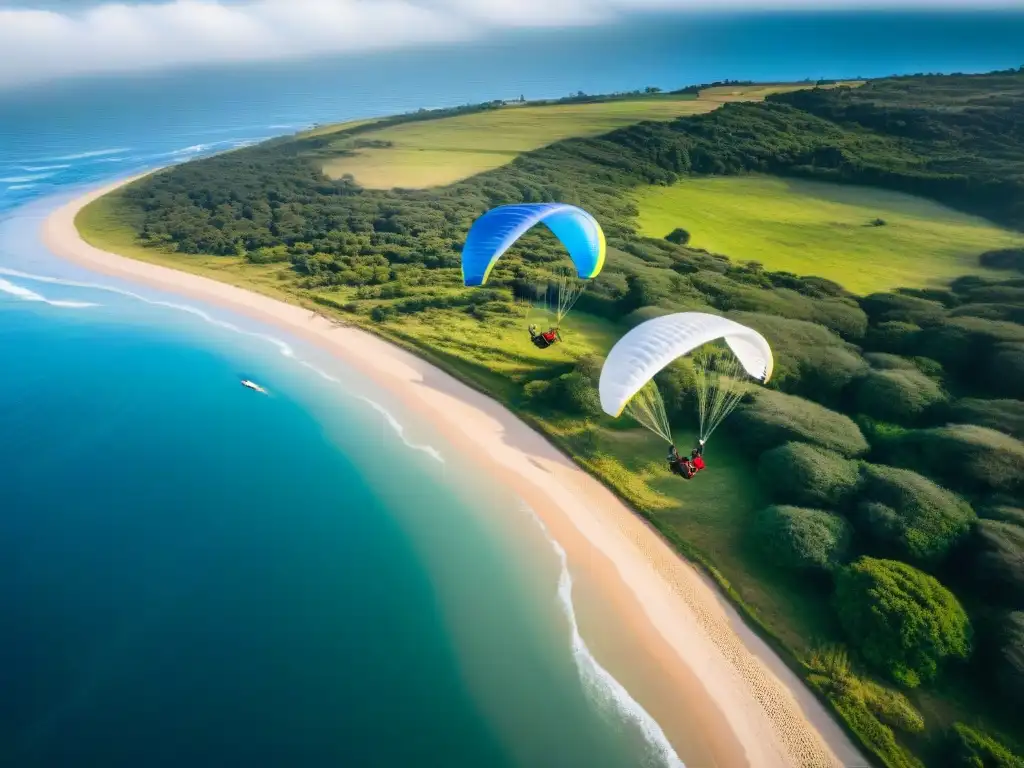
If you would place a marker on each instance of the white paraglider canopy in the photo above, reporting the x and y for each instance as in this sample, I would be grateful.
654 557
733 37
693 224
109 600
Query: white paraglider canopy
639 355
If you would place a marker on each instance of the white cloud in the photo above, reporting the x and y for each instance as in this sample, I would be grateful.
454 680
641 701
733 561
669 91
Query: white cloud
122 37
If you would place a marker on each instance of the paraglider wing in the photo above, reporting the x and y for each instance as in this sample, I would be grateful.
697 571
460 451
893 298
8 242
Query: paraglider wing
639 355
494 232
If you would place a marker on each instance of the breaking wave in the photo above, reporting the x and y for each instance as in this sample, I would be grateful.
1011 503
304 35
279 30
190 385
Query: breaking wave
599 683
26 294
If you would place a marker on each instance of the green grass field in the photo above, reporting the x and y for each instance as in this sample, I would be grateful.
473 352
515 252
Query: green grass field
812 228
727 93
437 152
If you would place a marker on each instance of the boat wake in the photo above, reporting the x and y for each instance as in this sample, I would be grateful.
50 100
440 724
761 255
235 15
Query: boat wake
603 688
282 346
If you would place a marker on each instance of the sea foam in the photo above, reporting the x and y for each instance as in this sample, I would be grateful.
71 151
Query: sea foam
599 683
25 179
25 294
87 155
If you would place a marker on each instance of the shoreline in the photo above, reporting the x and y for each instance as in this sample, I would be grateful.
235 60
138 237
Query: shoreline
693 654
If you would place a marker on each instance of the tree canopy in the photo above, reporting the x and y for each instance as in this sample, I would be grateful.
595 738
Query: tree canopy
964 456
803 539
1010 669
903 621
899 395
997 561
1006 416
799 473
773 418
909 515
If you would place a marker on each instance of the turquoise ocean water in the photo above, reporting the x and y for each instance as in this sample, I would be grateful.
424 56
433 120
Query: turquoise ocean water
192 574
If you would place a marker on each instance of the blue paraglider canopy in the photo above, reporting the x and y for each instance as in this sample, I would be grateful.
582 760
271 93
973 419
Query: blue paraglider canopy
494 232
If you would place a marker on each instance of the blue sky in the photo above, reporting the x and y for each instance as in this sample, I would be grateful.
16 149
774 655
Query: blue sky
47 39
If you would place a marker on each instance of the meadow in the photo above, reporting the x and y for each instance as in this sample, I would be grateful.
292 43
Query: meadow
433 153
826 230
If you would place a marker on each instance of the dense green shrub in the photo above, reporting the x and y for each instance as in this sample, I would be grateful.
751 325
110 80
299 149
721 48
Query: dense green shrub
800 473
1002 293
679 236
1006 370
891 707
943 296
1009 668
574 392
843 317
963 456
875 734
902 621
644 314
894 307
931 368
1003 513
536 390
965 345
997 561
802 539
895 337
590 366
994 311
866 707
910 515
973 749
886 361
954 347
1005 258
678 386
771 418
897 395
1005 416
988 331
810 360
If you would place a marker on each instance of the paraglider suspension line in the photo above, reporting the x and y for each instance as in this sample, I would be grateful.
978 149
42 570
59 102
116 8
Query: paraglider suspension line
567 291
648 408
720 388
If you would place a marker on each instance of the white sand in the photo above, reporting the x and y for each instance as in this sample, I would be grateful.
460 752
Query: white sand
748 715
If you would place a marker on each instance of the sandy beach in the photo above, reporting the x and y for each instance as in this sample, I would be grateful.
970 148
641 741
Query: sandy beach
747 708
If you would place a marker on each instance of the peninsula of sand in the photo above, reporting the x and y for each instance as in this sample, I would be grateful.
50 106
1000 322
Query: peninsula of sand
689 662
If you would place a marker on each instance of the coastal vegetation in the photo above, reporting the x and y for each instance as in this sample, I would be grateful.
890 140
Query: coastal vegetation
863 510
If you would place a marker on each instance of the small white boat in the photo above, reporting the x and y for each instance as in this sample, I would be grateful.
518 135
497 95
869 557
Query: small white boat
253 385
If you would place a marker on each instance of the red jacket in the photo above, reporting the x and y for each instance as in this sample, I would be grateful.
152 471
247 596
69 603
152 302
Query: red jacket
698 462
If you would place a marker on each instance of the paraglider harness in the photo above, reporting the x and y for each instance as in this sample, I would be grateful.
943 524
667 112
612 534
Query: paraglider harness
686 467
546 339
